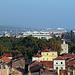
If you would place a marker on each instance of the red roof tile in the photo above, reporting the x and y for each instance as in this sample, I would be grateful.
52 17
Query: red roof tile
72 68
22 60
35 62
71 62
69 55
48 71
45 71
59 58
37 55
47 63
43 63
19 69
46 50
6 59
32 71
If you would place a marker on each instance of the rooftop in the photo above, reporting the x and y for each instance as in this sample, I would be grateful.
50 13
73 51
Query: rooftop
37 55
6 59
47 50
59 58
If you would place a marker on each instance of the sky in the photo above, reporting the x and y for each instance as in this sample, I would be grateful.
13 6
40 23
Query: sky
38 14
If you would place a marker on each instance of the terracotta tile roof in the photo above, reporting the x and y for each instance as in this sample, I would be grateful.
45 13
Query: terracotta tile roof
47 63
46 50
18 69
48 71
32 71
6 59
71 62
34 63
69 55
43 63
37 55
16 59
7 54
22 60
66 64
72 68
45 71
59 58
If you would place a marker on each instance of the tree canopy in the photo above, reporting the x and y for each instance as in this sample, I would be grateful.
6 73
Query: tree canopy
28 46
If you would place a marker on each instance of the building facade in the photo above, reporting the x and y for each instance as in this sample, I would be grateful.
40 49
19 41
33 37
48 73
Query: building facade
59 63
64 47
46 55
37 57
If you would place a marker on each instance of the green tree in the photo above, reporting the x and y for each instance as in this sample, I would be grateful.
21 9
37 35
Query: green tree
54 44
72 50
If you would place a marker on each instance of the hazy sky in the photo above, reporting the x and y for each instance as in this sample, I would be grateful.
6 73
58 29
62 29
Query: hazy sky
38 13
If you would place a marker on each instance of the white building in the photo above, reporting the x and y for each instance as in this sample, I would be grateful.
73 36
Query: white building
54 31
37 34
64 47
59 63
37 57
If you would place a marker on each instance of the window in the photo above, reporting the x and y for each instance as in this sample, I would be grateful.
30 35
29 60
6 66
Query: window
47 53
61 62
47 58
43 54
56 62
43 58
61 67
56 67
52 53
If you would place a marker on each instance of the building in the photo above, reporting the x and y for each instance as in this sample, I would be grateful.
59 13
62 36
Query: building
37 57
17 71
39 35
54 31
59 63
64 47
5 59
18 63
45 55
48 55
9 55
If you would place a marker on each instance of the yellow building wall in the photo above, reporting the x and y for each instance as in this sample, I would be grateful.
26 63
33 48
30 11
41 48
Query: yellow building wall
48 56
